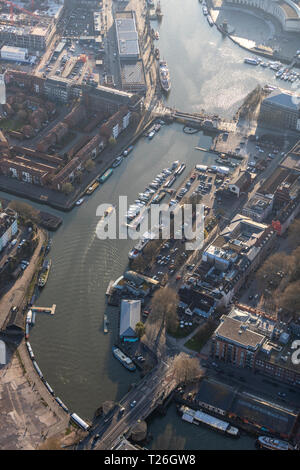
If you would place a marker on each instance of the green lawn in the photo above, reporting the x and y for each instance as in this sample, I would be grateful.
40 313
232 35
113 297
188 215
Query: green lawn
182 332
11 124
201 337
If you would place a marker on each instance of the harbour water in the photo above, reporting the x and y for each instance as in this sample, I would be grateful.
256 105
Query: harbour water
207 71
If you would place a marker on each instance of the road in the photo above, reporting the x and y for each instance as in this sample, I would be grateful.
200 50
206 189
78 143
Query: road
146 394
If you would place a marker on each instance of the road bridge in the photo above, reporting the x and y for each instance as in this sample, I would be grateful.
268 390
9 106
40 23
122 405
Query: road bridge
139 403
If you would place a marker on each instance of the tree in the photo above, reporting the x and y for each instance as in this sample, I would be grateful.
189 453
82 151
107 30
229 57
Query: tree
279 262
140 329
25 210
112 141
164 303
290 298
67 188
89 165
187 369
294 233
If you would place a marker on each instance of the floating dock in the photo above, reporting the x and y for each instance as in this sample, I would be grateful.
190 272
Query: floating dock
49 310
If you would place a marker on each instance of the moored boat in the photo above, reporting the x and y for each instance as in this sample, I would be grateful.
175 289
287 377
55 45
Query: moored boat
128 150
80 201
251 61
180 169
45 273
125 360
210 20
273 444
117 161
93 187
164 76
105 175
199 417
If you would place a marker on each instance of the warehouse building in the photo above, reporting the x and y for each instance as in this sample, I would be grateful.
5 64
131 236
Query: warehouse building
127 36
281 109
17 54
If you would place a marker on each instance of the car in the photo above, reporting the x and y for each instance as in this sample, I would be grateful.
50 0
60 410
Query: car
132 404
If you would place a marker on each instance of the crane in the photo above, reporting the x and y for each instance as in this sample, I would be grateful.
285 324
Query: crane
11 9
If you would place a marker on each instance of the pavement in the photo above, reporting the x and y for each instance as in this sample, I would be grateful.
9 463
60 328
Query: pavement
27 413
16 295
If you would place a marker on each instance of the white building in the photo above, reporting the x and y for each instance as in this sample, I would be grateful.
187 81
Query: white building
3 358
8 228
17 54
287 12
2 89
130 316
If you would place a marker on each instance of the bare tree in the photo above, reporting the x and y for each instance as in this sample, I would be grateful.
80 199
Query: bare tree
279 262
290 298
294 233
186 368
163 304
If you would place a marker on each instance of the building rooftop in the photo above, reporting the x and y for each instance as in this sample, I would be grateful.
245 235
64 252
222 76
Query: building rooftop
233 331
132 74
130 315
283 99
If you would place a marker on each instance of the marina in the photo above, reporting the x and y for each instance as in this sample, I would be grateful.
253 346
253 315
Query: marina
74 246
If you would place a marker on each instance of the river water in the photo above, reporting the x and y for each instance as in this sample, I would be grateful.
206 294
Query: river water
71 349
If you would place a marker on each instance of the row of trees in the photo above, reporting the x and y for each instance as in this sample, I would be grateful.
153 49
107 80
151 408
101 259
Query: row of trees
280 274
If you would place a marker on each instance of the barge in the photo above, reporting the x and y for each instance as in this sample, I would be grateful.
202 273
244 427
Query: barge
125 360
199 417
45 273
105 175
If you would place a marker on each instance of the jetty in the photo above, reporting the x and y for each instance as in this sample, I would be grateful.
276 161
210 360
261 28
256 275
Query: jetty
49 310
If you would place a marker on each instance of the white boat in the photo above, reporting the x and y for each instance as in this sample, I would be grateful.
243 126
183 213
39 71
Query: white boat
80 201
251 61
273 444
210 20
164 76
117 161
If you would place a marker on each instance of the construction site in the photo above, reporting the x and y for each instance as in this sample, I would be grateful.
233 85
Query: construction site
29 25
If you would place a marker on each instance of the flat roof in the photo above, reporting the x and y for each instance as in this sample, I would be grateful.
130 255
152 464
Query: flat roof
14 49
232 330
132 73
267 414
216 394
